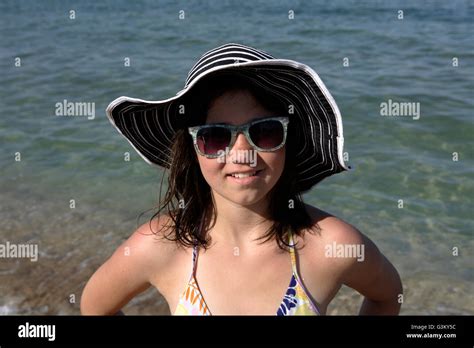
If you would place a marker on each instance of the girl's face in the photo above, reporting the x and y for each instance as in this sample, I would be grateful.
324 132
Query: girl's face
237 108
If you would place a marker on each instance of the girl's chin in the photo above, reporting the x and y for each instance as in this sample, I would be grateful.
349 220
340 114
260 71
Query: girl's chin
244 198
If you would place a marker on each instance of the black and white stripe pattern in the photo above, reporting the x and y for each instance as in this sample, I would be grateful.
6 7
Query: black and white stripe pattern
149 126
225 55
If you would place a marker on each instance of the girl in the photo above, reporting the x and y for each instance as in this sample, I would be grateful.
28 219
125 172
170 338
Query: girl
245 138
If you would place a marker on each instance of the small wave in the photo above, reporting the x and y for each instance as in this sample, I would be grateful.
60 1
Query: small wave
8 309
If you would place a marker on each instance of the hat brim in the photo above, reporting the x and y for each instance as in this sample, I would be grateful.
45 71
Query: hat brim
149 126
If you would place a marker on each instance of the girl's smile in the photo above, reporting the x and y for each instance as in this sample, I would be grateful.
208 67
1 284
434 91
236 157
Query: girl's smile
245 177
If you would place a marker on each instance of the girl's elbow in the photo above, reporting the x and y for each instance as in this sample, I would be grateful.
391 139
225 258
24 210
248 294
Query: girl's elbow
90 304
87 306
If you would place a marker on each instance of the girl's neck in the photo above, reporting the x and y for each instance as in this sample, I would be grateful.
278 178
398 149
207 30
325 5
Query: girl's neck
239 225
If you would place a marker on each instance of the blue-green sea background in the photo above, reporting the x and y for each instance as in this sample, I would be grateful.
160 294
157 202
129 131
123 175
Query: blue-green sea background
397 158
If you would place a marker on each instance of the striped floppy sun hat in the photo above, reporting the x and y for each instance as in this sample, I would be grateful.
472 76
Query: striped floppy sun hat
149 126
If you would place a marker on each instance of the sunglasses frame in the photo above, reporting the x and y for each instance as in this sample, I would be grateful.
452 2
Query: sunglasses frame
244 129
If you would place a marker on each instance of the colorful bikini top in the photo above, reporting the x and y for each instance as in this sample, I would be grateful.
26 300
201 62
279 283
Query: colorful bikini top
295 302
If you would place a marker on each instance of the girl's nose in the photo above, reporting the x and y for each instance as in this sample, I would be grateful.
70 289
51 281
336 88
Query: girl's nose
241 143
242 152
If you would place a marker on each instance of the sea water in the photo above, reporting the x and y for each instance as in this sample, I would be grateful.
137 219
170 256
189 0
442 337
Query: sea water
66 186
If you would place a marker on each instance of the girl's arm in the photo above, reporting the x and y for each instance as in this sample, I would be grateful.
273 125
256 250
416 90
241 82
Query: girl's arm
373 276
123 276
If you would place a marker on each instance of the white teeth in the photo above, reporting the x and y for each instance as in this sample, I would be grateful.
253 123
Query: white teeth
242 175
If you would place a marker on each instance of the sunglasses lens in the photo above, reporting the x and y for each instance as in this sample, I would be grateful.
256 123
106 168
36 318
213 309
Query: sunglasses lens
213 139
267 134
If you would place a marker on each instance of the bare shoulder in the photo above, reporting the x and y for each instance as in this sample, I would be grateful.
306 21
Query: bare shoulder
145 251
344 255
129 271
332 228
329 234
149 242
342 248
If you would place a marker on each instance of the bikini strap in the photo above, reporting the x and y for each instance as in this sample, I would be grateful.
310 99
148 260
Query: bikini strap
195 254
292 253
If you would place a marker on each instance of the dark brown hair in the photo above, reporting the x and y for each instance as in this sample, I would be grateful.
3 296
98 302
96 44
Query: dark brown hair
188 201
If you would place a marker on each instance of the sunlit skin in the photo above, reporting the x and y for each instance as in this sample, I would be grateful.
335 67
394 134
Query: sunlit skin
256 278
240 208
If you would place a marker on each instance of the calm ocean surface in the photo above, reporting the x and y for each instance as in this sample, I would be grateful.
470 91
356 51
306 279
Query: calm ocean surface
395 158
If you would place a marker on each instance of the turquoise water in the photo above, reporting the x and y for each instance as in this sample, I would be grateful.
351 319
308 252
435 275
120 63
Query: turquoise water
82 59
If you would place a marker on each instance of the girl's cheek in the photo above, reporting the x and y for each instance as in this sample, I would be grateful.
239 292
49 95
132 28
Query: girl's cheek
210 168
